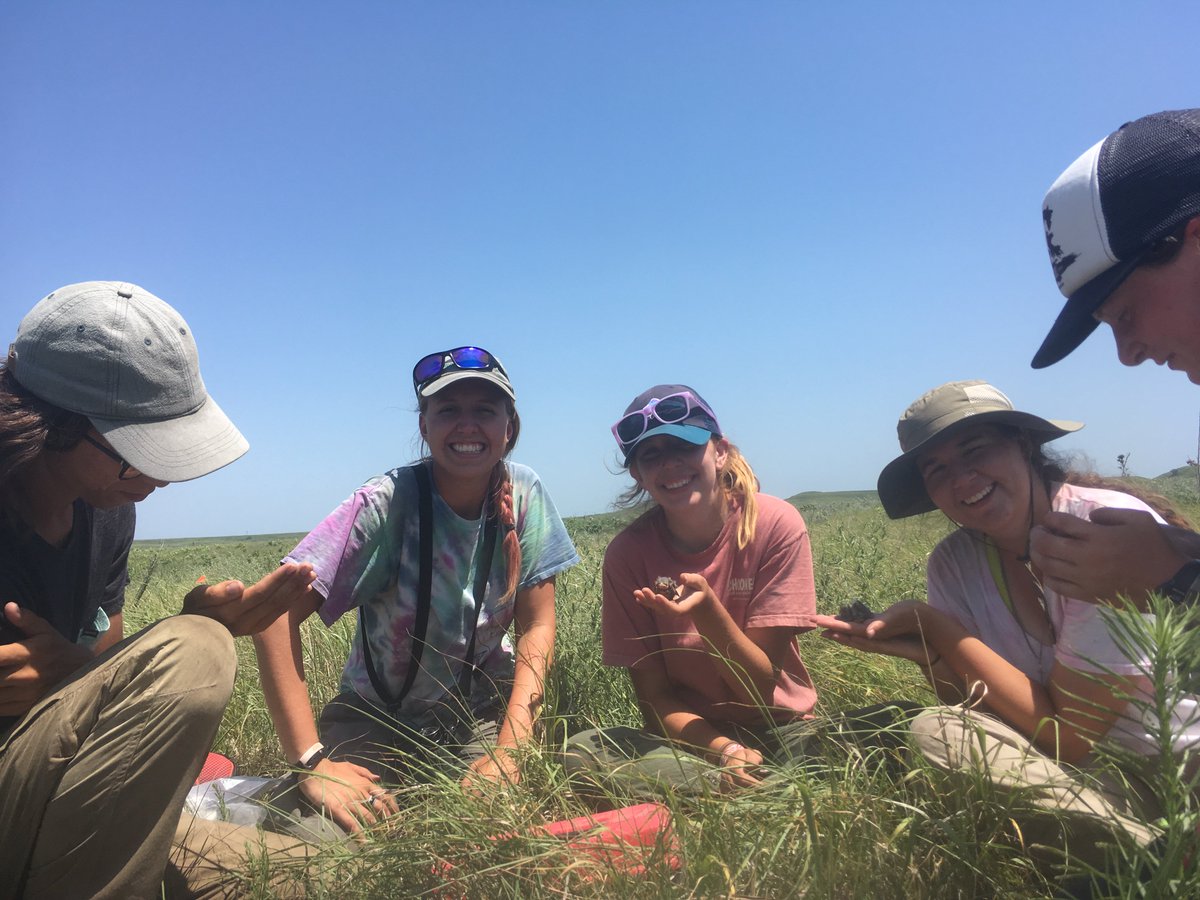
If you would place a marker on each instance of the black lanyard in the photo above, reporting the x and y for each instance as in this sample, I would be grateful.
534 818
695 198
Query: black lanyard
425 599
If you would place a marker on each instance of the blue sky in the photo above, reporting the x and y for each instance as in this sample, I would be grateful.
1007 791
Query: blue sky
812 213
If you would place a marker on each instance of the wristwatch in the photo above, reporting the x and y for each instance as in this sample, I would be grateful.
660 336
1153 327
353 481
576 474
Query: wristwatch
1184 586
311 757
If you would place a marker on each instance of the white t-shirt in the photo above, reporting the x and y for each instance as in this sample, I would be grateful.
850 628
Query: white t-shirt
961 584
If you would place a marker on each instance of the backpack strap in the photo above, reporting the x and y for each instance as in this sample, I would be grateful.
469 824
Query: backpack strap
424 597
482 570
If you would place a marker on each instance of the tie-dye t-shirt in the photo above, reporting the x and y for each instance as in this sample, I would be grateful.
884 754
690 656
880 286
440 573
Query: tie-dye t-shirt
367 553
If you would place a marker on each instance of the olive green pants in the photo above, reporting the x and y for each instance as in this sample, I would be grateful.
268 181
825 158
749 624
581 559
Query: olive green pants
92 778
637 763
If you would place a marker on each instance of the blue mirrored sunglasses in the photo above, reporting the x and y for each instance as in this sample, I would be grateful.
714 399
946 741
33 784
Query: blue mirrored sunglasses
475 359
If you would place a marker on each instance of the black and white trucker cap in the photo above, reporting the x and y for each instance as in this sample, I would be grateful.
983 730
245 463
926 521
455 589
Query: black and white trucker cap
1110 208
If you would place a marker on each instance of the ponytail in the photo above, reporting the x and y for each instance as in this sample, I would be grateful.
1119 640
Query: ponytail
741 484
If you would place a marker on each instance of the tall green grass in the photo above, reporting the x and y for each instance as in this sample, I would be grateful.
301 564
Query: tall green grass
843 827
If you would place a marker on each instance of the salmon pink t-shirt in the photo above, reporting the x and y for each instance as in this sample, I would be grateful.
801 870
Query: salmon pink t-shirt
769 584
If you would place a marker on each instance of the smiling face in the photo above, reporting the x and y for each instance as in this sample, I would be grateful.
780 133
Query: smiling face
1155 313
980 477
467 428
679 475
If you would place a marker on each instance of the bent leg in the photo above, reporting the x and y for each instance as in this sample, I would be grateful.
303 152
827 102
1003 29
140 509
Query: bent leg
636 763
219 860
1077 808
92 779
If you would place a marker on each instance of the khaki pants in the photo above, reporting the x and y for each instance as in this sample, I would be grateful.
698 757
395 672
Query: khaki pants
92 778
1079 808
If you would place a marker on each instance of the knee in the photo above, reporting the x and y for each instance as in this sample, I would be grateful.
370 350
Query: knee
194 656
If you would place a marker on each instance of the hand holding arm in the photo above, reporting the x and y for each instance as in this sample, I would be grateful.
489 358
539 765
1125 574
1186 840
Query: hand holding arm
1119 553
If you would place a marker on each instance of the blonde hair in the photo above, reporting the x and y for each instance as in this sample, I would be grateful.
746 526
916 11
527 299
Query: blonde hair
737 481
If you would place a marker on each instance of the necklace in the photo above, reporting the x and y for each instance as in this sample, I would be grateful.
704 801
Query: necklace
996 565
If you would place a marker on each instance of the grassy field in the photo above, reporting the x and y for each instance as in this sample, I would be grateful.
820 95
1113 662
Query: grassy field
843 827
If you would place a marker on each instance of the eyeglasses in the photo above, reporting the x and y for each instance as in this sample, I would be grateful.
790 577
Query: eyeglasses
668 410
475 359
128 472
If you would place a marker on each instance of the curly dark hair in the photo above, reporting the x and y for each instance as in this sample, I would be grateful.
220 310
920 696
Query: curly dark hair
1050 470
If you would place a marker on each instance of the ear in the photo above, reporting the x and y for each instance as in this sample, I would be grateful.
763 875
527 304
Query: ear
421 427
1191 231
721 452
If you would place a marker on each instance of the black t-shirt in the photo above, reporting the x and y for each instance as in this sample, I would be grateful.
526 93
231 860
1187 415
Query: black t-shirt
67 585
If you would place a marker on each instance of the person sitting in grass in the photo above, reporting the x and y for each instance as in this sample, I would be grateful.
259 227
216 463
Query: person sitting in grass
438 559
1031 679
101 403
713 660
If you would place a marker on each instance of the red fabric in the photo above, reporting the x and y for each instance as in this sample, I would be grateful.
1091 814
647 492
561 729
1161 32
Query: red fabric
621 837
215 766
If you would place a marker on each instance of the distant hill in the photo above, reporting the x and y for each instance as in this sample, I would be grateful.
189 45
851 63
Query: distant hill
1179 485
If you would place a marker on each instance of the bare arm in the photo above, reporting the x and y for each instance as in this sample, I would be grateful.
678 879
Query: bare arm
944 681
534 621
663 712
746 660
344 789
115 633
1083 706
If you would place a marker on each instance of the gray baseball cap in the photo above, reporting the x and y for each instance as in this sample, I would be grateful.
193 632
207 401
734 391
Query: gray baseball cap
935 416
119 355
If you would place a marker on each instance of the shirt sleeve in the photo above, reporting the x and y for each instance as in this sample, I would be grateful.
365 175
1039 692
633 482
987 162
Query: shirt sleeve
784 593
546 547
628 630
947 585
354 549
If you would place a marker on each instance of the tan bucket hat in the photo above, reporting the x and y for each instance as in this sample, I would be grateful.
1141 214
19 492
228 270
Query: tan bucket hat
934 416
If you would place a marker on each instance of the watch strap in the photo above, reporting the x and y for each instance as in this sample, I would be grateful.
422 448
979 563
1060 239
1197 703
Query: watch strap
1184 586
312 756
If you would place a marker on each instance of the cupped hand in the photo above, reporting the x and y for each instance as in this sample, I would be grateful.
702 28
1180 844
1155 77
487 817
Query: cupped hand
693 588
741 767
497 769
1118 553
30 667
909 647
901 630
349 793
248 610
